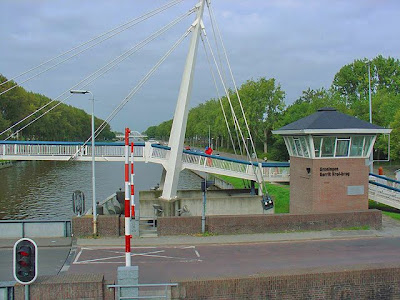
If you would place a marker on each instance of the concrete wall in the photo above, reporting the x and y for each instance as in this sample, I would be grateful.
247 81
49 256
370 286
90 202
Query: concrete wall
269 223
74 286
219 202
374 281
331 185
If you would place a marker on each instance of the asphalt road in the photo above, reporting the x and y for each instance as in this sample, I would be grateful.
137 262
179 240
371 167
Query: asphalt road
50 261
169 263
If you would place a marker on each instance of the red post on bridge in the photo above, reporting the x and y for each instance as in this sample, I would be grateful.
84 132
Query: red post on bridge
128 235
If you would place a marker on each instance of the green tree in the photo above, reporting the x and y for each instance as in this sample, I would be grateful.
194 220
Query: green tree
63 123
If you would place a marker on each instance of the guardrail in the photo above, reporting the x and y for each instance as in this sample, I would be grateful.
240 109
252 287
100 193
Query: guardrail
7 289
150 152
389 182
165 294
34 228
384 190
49 148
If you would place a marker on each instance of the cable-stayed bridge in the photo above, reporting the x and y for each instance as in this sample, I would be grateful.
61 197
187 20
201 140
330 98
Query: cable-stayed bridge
173 158
381 189
143 152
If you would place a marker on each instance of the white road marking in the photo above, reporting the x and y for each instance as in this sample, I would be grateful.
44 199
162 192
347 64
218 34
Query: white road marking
113 257
149 254
77 257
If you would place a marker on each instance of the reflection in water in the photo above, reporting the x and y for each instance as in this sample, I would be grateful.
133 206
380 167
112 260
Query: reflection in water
43 189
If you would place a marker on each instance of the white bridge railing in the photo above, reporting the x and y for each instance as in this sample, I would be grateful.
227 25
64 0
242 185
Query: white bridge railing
234 167
38 150
35 150
384 190
381 189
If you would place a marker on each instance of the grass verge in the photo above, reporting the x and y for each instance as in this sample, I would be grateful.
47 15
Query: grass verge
281 196
280 193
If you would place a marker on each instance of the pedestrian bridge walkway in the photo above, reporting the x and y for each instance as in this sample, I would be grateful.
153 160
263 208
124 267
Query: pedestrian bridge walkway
145 152
384 190
381 189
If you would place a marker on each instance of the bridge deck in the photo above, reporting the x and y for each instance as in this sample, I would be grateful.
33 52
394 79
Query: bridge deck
146 152
381 189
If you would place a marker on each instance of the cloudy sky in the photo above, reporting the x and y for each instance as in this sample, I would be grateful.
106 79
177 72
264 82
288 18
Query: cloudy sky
299 43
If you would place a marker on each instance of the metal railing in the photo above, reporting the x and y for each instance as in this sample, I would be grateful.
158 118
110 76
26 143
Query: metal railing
7 289
34 228
40 148
384 190
156 153
144 294
159 152
269 170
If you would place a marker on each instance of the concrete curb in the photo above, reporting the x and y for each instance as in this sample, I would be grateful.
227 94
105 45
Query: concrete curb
235 239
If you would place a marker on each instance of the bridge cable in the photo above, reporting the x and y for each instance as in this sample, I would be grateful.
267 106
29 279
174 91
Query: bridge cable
127 25
220 101
135 89
218 94
223 72
263 187
223 75
259 180
113 63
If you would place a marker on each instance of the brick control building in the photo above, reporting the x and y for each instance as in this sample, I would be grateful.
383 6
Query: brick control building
329 161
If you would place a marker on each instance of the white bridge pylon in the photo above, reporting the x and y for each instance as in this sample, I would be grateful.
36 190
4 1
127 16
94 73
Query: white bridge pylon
143 152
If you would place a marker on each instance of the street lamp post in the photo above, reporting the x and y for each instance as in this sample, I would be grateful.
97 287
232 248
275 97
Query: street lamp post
93 160
371 166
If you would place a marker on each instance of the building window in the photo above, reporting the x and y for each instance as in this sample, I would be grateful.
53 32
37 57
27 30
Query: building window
367 144
298 146
356 148
317 146
304 146
328 146
342 147
292 146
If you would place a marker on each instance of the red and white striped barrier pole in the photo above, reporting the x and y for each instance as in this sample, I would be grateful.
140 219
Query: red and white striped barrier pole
127 203
132 185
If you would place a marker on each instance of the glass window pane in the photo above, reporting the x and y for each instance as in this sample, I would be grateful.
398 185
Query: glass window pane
304 145
317 145
298 147
287 143
328 146
356 147
368 140
342 148
292 147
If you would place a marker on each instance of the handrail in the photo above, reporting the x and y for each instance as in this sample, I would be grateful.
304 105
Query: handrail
118 288
67 225
2 142
34 221
142 144
384 186
384 177
141 285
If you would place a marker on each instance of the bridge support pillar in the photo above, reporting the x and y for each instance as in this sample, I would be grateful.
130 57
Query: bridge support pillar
178 130
162 180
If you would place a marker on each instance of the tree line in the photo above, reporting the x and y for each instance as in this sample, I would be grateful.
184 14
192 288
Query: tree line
265 109
63 123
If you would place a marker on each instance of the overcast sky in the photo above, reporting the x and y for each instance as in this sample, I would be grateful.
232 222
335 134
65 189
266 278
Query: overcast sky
299 43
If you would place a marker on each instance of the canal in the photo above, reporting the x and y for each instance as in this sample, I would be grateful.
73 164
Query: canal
43 189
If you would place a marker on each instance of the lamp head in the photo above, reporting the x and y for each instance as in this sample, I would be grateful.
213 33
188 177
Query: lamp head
79 92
